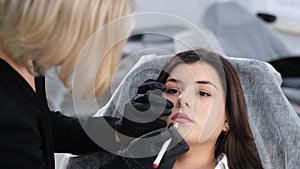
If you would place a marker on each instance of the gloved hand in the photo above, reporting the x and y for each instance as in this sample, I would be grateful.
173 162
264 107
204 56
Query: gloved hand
142 152
142 113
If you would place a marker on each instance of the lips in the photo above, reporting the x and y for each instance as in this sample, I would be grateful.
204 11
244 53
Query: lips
181 118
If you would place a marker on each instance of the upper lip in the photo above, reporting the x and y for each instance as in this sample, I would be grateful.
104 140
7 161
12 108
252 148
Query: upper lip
182 116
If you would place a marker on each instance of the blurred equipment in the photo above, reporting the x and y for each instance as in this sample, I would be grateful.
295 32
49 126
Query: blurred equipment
267 17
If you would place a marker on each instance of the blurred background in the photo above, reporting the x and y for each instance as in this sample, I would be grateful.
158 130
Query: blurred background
267 30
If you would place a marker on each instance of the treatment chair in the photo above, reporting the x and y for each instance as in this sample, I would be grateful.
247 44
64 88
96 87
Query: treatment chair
273 121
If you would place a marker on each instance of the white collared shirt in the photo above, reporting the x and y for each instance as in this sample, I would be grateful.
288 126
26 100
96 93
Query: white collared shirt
222 162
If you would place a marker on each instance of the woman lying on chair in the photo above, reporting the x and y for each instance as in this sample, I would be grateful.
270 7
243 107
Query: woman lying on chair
210 108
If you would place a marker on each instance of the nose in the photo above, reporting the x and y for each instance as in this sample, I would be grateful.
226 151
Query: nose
182 100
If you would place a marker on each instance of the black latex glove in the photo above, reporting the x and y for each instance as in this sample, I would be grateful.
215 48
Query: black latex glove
141 152
142 113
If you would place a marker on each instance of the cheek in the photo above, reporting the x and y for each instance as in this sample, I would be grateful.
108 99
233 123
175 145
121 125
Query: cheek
209 121
173 100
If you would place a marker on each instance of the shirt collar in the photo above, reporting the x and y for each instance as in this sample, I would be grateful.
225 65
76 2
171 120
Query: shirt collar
222 162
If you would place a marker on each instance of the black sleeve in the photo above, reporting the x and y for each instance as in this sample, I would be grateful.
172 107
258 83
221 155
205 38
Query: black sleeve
70 136
115 163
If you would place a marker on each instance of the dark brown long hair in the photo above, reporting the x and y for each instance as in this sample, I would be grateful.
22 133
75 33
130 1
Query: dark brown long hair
238 143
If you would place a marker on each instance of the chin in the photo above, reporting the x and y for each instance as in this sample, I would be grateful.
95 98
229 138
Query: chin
185 130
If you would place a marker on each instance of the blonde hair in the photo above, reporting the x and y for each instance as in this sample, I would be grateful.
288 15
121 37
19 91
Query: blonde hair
53 32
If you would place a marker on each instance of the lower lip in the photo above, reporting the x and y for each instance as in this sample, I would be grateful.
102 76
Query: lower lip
182 120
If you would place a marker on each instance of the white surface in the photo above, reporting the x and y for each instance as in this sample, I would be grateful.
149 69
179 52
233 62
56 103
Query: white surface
191 10
289 9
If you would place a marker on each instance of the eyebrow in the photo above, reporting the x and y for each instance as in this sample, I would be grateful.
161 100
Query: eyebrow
198 82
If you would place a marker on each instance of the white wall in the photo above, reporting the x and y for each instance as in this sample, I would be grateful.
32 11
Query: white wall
193 9
190 10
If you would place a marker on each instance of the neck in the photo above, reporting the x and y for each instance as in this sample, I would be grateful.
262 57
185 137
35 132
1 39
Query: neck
198 157
29 77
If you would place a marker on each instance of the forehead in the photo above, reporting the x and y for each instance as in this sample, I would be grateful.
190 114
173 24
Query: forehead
197 71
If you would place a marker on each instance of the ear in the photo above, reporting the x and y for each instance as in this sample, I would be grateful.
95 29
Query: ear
225 126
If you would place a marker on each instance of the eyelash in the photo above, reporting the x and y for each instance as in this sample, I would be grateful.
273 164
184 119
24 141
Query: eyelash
176 91
173 91
205 94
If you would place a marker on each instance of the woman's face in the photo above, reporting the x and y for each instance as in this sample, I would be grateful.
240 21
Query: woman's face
199 105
